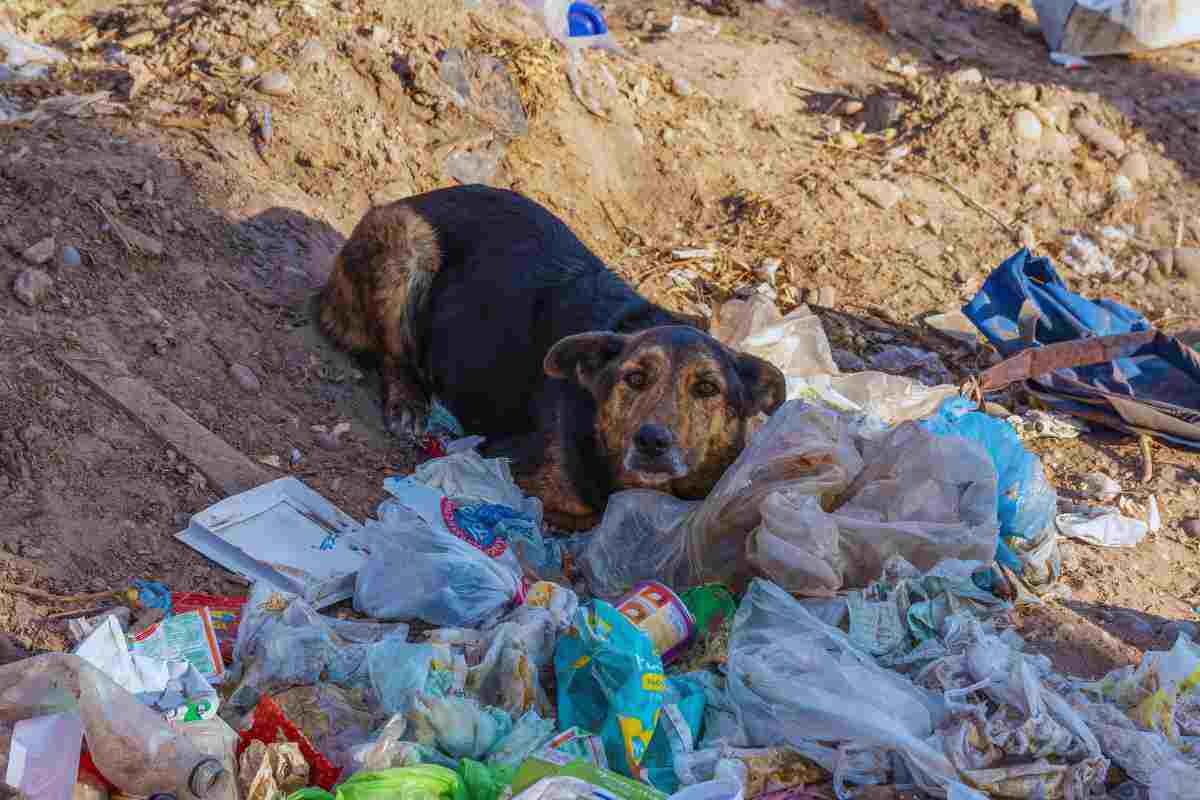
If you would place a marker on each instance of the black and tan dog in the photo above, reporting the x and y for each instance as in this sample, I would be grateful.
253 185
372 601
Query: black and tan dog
484 299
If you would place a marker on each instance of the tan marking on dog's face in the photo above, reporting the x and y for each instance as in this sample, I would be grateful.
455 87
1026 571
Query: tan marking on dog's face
685 399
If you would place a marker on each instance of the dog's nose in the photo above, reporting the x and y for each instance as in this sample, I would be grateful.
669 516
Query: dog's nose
653 440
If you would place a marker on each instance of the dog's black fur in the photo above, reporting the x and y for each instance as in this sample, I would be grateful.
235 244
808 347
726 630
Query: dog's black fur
502 281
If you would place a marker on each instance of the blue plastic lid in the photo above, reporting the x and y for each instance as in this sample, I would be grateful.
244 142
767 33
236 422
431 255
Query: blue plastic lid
584 20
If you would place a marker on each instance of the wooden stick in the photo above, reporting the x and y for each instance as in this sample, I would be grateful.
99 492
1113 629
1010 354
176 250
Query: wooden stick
61 599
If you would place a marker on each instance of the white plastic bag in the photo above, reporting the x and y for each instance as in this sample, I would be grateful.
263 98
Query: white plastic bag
921 497
419 569
1106 27
797 344
797 681
39 763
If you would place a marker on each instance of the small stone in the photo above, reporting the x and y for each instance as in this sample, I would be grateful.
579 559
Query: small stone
245 378
69 257
1191 527
1096 134
1122 187
313 52
239 114
108 199
201 47
1101 487
1136 167
380 35
967 76
41 252
1165 259
681 87
31 286
853 107
767 269
246 65
827 297
148 187
1026 95
1026 125
1187 263
274 83
328 441
881 193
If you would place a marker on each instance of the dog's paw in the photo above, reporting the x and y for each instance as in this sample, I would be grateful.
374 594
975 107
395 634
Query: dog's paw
405 420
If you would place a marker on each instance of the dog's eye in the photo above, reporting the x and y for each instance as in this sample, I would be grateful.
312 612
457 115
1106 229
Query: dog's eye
636 379
706 389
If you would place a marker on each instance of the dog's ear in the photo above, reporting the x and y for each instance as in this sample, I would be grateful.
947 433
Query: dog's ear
580 357
764 383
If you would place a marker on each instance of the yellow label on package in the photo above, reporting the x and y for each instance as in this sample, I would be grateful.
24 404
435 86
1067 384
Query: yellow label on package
186 637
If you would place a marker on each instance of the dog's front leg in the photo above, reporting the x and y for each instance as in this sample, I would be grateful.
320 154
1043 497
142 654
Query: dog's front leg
405 403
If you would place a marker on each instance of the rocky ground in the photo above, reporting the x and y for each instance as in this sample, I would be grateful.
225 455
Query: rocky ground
176 187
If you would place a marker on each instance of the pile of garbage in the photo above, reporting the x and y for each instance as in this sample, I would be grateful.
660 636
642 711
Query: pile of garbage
835 615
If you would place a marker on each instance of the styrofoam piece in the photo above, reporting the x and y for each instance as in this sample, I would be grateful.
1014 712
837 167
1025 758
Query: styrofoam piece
283 533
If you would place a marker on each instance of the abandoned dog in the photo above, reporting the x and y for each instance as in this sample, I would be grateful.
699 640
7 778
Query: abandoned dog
485 300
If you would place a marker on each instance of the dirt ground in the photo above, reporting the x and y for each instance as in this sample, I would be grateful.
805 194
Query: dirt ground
202 230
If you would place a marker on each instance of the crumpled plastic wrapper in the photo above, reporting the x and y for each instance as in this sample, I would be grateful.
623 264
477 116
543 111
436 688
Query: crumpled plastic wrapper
269 770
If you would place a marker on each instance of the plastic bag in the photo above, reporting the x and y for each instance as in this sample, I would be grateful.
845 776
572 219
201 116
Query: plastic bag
610 680
283 642
528 735
797 681
1104 27
676 734
921 497
132 745
460 727
40 770
335 720
647 535
419 568
386 749
422 782
1150 693
797 344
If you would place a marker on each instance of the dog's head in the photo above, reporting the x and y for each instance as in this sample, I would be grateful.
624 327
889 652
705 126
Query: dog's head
673 405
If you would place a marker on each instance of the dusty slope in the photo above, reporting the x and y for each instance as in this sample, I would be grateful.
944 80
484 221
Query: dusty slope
735 134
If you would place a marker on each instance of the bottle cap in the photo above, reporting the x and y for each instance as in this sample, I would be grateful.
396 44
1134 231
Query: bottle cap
205 777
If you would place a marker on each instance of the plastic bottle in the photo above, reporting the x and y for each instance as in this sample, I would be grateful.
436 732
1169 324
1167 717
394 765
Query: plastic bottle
131 745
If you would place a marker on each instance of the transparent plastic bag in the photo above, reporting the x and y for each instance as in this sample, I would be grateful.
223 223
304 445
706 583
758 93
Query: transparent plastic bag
283 642
797 344
797 681
920 497
644 535
133 746
1025 501
418 571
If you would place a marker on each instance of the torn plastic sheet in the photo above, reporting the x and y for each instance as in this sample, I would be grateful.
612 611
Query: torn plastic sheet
1107 27
797 344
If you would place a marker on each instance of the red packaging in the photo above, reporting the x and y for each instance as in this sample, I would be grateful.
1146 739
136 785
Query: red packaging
270 724
226 613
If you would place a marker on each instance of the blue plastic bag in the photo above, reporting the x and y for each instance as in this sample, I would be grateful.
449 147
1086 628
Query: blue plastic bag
611 681
1026 502
677 732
